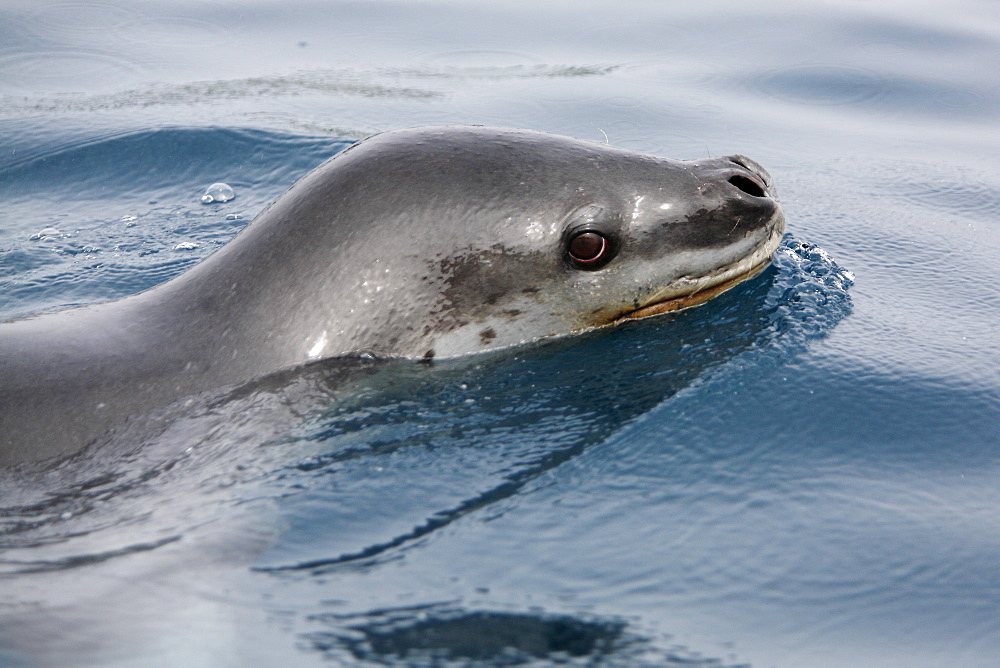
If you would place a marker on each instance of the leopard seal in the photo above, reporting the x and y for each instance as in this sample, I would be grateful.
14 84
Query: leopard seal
425 243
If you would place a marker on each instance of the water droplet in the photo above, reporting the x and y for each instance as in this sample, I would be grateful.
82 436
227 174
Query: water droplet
186 245
129 220
45 233
233 216
218 192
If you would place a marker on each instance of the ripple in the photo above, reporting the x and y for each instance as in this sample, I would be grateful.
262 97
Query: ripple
375 83
324 82
488 59
961 197
895 94
9 567
927 187
822 85
82 17
175 32
498 71
65 67
960 99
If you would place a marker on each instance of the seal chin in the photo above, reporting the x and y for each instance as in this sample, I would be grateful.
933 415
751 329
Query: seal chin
688 292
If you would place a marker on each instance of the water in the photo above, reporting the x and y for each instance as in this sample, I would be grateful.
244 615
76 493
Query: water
802 472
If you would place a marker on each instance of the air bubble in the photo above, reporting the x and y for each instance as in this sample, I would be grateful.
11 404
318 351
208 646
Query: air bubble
218 192
45 233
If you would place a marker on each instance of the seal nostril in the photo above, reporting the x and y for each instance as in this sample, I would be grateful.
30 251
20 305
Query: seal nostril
749 186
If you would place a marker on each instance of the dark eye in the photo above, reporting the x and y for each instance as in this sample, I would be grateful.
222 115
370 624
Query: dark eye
588 247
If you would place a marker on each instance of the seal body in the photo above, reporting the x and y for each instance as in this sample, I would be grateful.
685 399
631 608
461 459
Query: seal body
423 243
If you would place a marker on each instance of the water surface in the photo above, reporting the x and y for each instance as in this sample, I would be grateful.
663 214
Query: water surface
804 471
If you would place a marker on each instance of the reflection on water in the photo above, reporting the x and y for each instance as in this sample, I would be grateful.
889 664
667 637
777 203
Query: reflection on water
353 433
445 635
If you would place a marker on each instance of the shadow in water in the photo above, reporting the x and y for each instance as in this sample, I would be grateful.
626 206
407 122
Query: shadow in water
443 635
477 431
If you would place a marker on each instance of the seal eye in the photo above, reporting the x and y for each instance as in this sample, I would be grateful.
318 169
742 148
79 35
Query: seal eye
588 247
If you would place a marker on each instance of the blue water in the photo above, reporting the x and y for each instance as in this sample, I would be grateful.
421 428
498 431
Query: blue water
805 471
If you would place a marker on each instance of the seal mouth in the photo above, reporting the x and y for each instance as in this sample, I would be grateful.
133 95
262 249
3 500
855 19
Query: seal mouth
688 292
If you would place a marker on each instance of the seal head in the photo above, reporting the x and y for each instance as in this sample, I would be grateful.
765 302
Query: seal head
523 235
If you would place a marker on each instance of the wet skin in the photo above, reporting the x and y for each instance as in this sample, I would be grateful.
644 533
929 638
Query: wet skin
423 243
